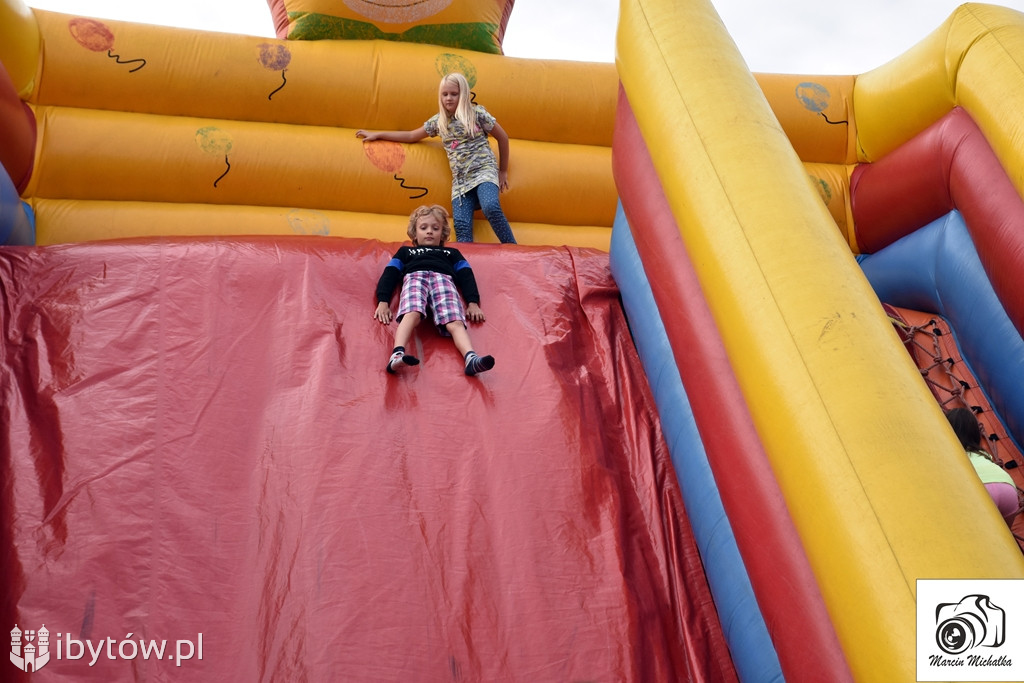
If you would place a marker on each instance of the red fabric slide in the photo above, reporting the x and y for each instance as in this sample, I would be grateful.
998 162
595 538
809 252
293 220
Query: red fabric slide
201 452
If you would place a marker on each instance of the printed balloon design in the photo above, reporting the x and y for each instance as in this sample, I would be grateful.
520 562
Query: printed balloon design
446 62
397 11
389 156
823 188
275 57
213 140
96 36
815 97
309 222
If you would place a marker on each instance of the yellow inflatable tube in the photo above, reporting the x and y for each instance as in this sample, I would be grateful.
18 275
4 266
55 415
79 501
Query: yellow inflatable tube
971 60
341 84
76 220
19 45
846 422
137 157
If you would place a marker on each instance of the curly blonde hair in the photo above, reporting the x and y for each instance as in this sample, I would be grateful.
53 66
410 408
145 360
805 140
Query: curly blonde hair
439 212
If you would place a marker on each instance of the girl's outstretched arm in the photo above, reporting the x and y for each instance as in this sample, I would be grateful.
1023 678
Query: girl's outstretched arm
502 138
393 135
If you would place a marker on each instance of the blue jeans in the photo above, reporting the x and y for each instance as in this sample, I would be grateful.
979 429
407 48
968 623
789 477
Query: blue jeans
484 197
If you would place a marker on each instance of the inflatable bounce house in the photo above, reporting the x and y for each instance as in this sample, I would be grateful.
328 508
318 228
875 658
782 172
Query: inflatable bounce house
713 445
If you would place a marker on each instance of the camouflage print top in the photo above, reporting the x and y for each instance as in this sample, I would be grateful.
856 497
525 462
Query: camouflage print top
471 159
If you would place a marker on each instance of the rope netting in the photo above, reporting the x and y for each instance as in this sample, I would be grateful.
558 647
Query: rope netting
932 344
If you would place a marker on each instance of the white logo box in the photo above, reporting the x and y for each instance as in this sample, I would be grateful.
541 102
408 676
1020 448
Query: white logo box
970 630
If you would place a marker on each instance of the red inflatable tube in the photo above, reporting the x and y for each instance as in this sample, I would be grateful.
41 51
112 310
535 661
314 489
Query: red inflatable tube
949 165
17 133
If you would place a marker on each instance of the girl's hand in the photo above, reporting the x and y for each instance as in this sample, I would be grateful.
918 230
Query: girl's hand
474 314
383 313
367 135
502 139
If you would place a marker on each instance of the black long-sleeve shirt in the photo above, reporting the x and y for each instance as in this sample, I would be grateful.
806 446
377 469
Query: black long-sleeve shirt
446 260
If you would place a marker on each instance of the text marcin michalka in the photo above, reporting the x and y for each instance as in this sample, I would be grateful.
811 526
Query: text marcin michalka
970 660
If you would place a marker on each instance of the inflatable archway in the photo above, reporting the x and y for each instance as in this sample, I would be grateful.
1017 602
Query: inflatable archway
752 224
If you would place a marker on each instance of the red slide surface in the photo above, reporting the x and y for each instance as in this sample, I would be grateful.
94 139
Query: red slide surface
200 446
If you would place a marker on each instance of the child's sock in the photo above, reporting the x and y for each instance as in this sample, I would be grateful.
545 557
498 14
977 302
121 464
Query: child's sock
399 359
476 364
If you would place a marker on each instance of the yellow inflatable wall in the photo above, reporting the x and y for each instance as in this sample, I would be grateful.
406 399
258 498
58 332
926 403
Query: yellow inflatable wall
179 124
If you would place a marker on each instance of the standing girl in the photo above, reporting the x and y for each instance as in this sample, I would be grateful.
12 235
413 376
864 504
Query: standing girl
477 178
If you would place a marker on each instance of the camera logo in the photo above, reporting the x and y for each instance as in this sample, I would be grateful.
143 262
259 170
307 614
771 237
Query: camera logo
973 622
970 630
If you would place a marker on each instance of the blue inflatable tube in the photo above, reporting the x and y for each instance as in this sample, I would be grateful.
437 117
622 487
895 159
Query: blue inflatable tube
936 269
17 224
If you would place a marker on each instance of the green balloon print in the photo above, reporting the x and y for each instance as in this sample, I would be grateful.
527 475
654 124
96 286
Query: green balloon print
217 142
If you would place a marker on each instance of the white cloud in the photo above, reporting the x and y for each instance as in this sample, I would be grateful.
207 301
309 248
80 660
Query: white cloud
805 37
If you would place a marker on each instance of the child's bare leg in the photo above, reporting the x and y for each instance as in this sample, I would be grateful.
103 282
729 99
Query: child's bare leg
460 335
474 363
399 357
405 327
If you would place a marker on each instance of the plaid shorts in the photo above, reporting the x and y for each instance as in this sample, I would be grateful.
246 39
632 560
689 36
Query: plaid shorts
429 293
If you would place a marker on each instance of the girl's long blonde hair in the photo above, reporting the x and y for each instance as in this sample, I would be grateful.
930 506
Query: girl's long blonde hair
463 112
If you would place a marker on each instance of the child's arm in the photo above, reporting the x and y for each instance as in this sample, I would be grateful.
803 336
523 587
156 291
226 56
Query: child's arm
473 313
383 312
389 279
502 139
466 282
409 136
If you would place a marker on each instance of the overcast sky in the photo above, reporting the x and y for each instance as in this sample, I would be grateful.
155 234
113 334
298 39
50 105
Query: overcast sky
774 36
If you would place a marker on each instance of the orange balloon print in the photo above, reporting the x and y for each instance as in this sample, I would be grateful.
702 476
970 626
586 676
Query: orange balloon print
91 34
96 36
389 156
